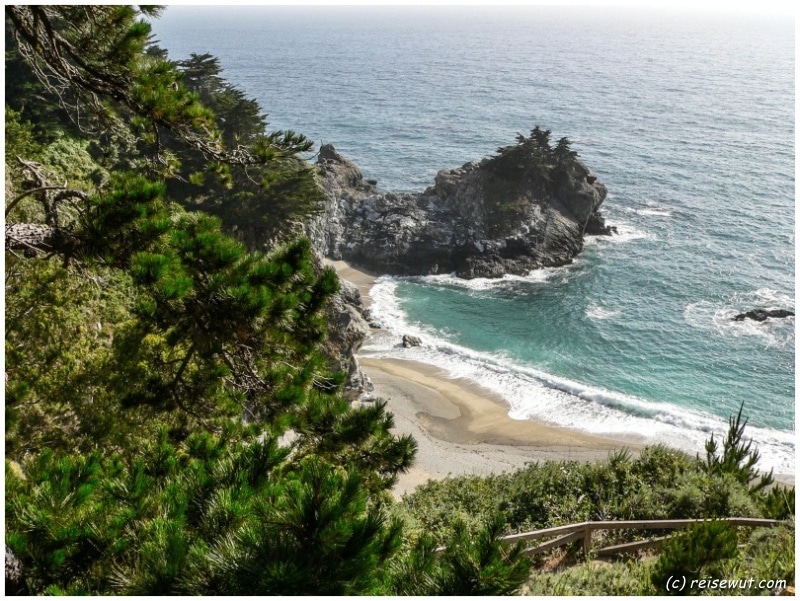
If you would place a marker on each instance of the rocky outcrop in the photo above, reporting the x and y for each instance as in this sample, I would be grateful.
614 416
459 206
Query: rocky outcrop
526 208
596 226
763 314
347 329
410 341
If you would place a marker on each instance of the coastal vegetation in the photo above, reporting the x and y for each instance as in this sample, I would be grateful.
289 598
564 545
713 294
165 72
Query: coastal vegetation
172 425
658 484
533 163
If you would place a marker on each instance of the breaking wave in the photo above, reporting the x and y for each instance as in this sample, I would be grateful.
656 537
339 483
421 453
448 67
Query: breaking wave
534 394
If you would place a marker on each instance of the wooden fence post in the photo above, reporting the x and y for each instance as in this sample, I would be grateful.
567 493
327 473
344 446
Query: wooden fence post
587 539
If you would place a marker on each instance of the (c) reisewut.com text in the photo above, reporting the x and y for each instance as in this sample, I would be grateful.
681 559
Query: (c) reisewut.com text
682 583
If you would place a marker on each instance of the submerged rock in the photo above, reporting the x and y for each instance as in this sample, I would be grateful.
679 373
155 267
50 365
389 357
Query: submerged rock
762 314
510 213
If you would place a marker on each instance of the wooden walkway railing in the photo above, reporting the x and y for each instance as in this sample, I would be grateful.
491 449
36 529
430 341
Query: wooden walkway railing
583 531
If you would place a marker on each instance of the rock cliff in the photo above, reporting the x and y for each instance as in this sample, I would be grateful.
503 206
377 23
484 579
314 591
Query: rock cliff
527 207
347 330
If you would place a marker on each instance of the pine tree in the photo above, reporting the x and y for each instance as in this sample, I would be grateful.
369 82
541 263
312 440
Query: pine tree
258 203
467 565
153 362
239 118
206 516
95 61
529 169
738 457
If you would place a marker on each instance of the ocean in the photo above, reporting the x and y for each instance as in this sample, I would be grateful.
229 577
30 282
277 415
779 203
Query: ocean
687 118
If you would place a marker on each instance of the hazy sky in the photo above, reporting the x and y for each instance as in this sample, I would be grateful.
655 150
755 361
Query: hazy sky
731 6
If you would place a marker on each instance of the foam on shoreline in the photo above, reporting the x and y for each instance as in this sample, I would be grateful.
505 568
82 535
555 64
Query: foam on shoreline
533 396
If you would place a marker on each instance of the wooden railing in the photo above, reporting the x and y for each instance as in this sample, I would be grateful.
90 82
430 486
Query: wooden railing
583 531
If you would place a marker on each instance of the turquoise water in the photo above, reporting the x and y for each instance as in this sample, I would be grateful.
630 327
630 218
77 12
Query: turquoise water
689 121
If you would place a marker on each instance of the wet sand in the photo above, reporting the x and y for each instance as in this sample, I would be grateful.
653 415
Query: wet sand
461 428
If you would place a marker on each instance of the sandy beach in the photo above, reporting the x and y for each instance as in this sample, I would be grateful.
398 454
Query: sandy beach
461 428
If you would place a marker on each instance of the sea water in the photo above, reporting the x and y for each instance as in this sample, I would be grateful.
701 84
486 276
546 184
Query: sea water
687 118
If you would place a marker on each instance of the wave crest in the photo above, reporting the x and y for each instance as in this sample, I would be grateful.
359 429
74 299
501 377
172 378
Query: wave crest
534 394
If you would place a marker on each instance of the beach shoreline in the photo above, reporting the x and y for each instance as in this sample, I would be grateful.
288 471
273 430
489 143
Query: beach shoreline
461 428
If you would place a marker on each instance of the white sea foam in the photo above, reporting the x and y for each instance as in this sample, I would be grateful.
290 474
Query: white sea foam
625 232
533 394
595 312
772 298
545 274
654 212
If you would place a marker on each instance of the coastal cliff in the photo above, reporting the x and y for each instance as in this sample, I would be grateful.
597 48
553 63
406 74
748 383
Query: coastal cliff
525 208
347 329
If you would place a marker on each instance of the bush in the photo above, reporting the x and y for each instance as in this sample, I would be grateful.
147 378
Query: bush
471 564
778 503
697 552
630 578
434 508
768 554
19 137
765 553
659 484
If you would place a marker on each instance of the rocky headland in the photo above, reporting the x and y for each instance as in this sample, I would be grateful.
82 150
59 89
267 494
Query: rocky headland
525 208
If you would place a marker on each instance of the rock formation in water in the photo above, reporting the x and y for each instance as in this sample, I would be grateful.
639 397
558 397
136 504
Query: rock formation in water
411 341
527 207
763 314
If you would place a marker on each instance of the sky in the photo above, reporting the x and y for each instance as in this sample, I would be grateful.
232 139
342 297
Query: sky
733 6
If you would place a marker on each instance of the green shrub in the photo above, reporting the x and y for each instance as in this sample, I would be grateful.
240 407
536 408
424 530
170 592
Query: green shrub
434 508
764 554
471 564
19 137
727 496
695 553
659 484
778 503
630 578
659 465
70 161
767 554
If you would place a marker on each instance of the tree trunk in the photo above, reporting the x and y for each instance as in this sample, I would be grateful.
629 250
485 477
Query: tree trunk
15 580
34 237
